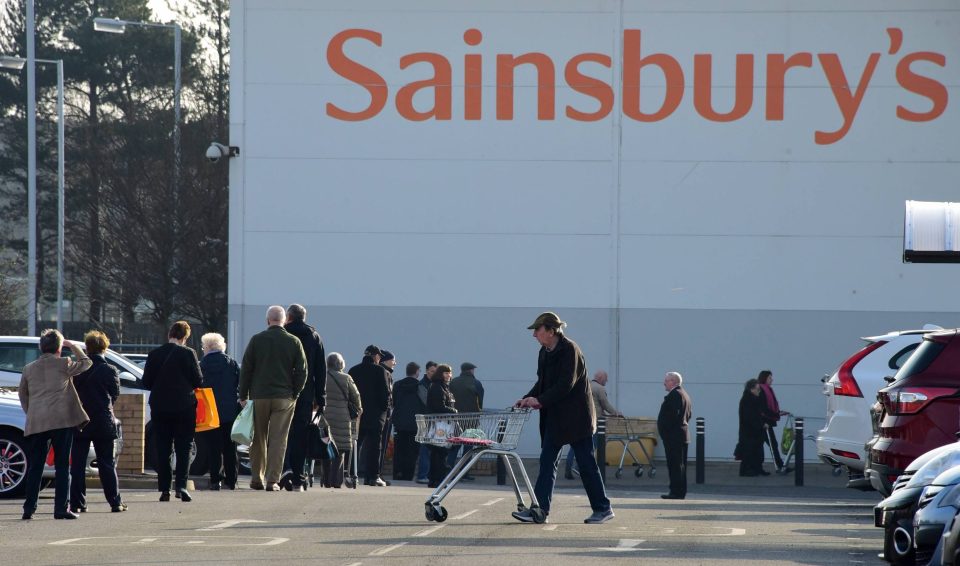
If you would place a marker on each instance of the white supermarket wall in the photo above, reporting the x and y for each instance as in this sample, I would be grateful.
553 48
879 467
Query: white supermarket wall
386 225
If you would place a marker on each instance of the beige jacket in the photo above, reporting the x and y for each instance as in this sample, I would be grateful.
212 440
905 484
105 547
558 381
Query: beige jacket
47 393
603 405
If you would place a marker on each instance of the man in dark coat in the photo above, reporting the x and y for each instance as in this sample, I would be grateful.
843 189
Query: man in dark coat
374 386
406 407
672 422
567 416
314 395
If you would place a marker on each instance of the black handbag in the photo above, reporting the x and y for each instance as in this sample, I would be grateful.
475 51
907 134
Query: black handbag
320 444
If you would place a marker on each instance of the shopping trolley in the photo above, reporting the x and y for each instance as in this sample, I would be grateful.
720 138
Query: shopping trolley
495 432
627 430
788 445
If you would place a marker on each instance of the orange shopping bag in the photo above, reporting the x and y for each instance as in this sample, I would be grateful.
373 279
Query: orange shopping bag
207 416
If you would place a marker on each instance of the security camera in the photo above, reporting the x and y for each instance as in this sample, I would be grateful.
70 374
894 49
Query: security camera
218 150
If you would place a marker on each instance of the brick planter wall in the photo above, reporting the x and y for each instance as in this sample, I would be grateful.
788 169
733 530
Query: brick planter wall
129 408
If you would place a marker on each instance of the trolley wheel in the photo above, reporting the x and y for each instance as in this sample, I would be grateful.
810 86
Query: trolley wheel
619 474
638 472
836 471
653 473
539 517
440 514
521 507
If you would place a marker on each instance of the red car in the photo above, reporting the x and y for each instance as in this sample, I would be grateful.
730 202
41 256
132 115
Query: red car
920 407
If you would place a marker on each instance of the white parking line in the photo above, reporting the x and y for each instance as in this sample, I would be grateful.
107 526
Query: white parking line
492 501
463 515
382 551
429 531
550 528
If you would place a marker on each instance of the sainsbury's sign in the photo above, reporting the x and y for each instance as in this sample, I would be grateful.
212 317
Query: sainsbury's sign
916 72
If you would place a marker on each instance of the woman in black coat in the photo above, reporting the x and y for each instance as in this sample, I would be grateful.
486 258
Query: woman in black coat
98 389
439 401
751 431
222 374
171 375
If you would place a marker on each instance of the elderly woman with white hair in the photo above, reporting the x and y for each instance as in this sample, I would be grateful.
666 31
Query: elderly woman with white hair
342 411
222 374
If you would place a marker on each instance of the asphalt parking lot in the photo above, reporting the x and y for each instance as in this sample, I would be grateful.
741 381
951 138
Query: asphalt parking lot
731 524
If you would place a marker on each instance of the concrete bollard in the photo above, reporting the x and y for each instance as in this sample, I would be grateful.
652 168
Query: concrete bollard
798 451
701 449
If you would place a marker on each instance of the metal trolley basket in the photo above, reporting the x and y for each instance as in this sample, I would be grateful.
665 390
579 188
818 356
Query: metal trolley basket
627 430
495 432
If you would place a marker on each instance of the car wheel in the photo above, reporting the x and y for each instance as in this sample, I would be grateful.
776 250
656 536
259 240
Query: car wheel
13 464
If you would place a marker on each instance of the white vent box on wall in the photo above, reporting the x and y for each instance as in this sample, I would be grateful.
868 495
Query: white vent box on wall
931 232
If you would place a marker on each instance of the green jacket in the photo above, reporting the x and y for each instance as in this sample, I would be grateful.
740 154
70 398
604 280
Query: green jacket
274 366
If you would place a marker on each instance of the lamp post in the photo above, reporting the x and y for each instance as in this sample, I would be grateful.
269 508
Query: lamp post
115 25
17 63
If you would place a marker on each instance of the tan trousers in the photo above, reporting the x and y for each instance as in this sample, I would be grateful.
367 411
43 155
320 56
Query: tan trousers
271 423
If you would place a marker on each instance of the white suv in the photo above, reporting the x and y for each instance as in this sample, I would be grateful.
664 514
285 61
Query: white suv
852 390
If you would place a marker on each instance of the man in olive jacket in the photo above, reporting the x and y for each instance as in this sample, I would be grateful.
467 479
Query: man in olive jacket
567 416
53 410
272 374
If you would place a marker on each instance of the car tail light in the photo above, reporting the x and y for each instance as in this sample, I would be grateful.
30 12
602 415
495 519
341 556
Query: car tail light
911 400
50 457
847 385
845 454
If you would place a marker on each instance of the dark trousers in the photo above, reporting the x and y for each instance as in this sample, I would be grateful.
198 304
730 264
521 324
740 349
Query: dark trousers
589 471
173 431
221 453
675 451
772 441
751 454
106 468
37 446
405 452
438 465
384 443
368 442
423 463
295 458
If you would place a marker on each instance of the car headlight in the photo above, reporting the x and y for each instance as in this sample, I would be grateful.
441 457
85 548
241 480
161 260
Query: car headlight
951 498
927 495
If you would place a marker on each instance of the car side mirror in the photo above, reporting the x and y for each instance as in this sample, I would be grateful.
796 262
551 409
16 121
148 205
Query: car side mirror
889 379
825 378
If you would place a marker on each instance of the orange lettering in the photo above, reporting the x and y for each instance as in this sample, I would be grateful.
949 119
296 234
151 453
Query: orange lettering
472 78
356 73
924 86
441 81
776 73
589 86
546 95
633 63
847 104
703 88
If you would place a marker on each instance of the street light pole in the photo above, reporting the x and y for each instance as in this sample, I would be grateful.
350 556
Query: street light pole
17 63
31 175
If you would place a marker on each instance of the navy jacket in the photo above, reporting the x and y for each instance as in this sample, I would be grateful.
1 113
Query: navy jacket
98 389
222 374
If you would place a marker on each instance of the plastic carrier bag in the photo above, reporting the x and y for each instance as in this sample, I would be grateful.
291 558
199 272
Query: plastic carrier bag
242 431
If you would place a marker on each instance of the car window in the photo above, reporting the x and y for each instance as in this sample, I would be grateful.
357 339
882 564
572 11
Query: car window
898 359
14 356
920 360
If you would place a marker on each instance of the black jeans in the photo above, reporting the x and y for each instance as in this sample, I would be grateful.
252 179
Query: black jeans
369 456
438 465
772 441
221 453
173 430
106 468
37 446
405 452
675 452
295 458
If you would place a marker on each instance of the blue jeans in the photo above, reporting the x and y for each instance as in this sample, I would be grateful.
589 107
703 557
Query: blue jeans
569 469
589 472
37 446
423 463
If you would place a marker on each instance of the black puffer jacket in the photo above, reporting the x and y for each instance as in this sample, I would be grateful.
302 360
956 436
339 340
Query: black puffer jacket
406 404
171 374
222 374
440 399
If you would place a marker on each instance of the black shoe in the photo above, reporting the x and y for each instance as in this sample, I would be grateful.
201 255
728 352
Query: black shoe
231 486
27 516
214 486
184 495
118 508
671 496
66 515
80 509
165 496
